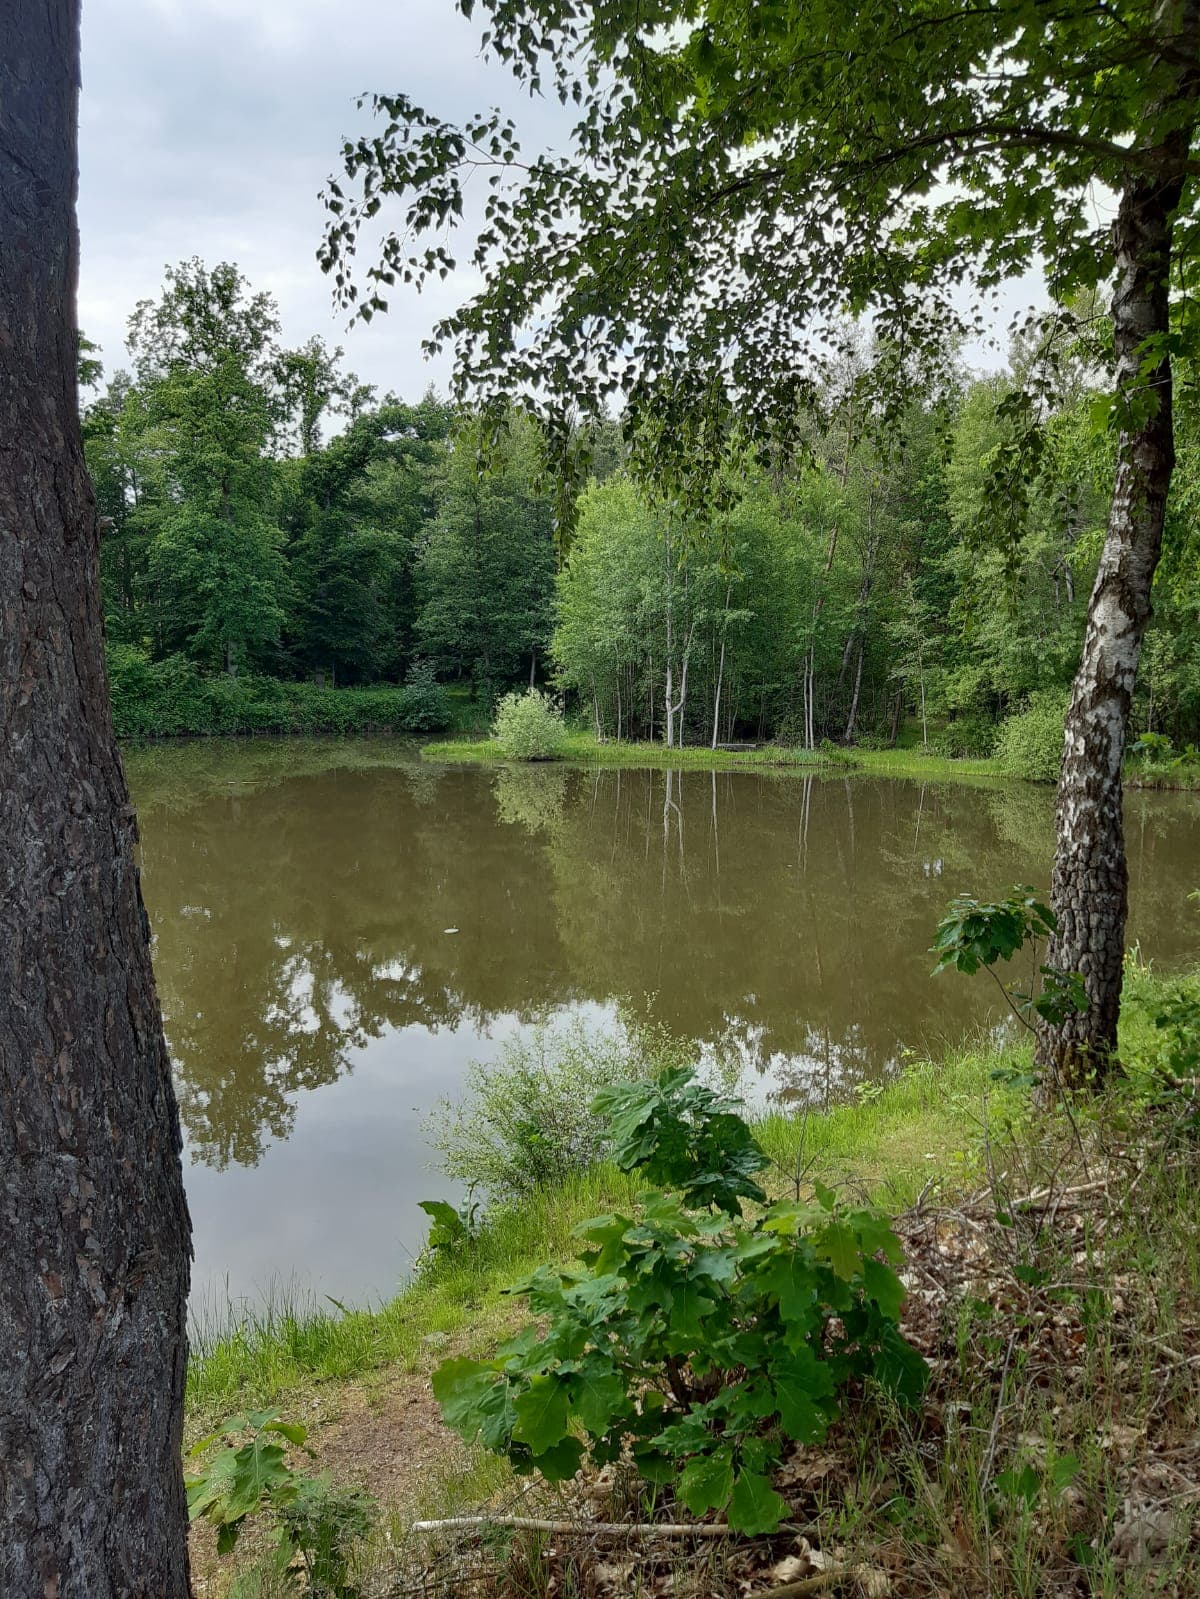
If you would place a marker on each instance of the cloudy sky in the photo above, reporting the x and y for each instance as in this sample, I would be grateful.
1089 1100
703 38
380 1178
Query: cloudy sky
209 126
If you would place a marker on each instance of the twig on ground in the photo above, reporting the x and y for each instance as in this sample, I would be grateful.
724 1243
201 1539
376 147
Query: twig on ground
590 1529
805 1585
1056 1197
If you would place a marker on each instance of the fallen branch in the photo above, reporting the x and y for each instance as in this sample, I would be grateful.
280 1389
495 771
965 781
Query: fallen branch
868 1578
606 1529
1040 1195
805 1585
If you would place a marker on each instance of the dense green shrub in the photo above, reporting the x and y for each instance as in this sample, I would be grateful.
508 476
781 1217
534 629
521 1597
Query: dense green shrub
157 699
529 726
692 1339
1030 745
528 1120
965 738
427 705
1153 759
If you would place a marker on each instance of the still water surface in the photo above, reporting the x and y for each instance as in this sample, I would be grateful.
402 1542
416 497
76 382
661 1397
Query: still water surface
340 928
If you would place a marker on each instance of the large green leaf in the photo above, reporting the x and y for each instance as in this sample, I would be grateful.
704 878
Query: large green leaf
690 1308
754 1506
464 1390
261 1471
542 1413
900 1368
790 1279
803 1386
838 1244
561 1461
884 1287
706 1482
598 1395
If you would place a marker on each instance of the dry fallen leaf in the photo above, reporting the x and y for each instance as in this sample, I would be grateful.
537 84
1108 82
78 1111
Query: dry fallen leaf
609 1577
1140 1534
1121 1440
873 1583
790 1569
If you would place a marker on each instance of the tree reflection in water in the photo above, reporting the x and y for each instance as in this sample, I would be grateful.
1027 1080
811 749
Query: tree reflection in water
301 895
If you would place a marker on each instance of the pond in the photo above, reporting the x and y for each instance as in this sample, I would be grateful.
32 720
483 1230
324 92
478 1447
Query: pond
340 928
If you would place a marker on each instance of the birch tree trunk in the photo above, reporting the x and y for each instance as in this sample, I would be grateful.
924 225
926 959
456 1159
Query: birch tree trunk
852 719
721 667
94 1234
716 728
669 683
1090 883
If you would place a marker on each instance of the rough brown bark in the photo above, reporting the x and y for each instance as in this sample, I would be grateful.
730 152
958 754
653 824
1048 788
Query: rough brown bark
94 1235
1090 884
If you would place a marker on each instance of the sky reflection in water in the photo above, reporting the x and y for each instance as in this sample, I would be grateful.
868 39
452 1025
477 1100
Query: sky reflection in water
317 1005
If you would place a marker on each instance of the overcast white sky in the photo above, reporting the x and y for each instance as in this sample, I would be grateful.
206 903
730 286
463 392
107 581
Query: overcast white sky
209 126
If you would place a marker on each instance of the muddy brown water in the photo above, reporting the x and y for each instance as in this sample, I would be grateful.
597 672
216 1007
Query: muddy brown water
339 929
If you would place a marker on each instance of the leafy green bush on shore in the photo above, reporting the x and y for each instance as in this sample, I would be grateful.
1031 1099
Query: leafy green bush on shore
1030 744
317 1524
691 1336
529 726
966 738
160 699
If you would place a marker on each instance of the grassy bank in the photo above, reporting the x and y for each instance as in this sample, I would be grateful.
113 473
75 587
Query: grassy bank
928 1121
1180 774
585 749
930 1124
1053 1281
923 764
904 761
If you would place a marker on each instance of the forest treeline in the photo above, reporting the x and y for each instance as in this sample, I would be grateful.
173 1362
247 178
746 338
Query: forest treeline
275 532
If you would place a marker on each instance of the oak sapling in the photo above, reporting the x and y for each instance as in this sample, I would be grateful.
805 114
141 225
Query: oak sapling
696 1337
316 1524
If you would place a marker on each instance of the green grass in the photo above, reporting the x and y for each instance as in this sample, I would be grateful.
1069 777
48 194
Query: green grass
1170 774
927 1121
584 749
903 761
927 1124
924 764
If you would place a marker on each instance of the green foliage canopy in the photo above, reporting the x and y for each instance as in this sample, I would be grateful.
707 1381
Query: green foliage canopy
742 174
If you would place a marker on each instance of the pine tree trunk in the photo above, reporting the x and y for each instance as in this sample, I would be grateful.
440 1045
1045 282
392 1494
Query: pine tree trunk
94 1235
1090 884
